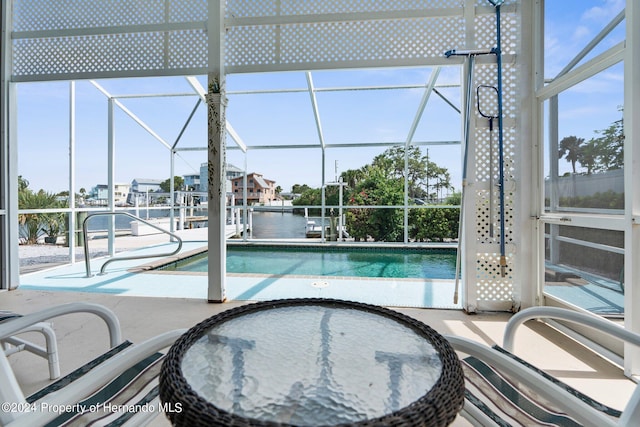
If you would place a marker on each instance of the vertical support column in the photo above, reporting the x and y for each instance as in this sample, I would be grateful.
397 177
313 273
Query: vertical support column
525 283
323 237
172 196
217 104
111 135
245 204
632 184
467 246
71 223
216 148
5 244
537 152
554 244
9 254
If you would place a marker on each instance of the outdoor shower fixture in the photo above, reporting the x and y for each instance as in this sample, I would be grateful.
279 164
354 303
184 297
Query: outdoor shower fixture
470 55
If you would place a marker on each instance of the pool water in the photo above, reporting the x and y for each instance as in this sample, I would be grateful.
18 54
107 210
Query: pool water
357 262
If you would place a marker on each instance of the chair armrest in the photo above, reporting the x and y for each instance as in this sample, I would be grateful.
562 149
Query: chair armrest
97 377
571 405
556 313
17 324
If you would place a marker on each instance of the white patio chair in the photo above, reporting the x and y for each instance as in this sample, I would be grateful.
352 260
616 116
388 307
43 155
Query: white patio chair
14 344
120 386
504 390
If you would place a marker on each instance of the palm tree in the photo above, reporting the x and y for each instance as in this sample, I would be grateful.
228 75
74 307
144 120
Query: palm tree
23 184
353 177
570 149
32 223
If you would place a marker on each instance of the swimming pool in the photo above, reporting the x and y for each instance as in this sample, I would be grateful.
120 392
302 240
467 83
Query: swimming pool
329 261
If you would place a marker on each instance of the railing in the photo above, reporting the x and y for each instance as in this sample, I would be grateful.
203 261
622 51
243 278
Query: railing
87 260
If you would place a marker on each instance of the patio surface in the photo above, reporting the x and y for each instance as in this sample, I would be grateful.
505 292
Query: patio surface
148 306
82 337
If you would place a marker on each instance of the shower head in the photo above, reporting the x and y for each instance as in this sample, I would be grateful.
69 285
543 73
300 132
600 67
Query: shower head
468 52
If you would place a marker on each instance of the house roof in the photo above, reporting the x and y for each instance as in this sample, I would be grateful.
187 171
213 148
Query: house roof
261 181
233 168
147 181
258 178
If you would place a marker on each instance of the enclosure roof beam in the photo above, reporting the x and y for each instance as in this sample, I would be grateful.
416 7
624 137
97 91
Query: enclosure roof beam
336 89
236 138
197 87
186 124
445 99
593 43
583 72
314 105
130 114
423 103
339 145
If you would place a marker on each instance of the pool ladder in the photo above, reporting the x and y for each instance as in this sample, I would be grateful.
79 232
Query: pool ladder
87 259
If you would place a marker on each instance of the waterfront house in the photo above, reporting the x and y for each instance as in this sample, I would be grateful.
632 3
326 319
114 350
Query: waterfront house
259 189
192 182
142 185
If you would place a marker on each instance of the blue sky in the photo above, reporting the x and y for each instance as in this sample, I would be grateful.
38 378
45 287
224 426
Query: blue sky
593 104
346 117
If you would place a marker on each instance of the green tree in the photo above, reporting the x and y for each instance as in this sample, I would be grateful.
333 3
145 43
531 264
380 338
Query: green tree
313 197
589 156
600 154
32 225
381 224
419 169
353 177
381 184
425 178
23 184
178 184
300 189
570 148
455 199
608 148
429 225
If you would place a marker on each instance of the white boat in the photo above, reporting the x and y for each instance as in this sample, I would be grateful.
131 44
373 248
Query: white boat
312 229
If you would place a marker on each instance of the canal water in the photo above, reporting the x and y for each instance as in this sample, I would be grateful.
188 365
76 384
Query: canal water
266 225
278 225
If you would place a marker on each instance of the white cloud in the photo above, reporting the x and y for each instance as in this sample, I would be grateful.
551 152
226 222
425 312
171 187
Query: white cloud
580 112
605 85
580 33
604 13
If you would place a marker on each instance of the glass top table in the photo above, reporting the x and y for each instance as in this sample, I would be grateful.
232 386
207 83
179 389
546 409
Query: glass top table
311 362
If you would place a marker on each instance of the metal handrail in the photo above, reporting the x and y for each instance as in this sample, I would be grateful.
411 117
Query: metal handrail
87 260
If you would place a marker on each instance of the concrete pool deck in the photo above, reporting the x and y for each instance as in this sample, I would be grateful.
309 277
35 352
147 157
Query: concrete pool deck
122 279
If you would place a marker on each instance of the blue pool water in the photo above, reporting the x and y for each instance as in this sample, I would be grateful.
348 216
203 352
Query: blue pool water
349 262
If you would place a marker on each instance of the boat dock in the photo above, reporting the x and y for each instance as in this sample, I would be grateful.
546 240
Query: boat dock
191 223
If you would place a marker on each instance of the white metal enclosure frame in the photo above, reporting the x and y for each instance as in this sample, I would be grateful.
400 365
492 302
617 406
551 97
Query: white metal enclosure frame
109 38
578 70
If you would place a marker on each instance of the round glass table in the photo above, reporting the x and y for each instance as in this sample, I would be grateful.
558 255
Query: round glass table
311 362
